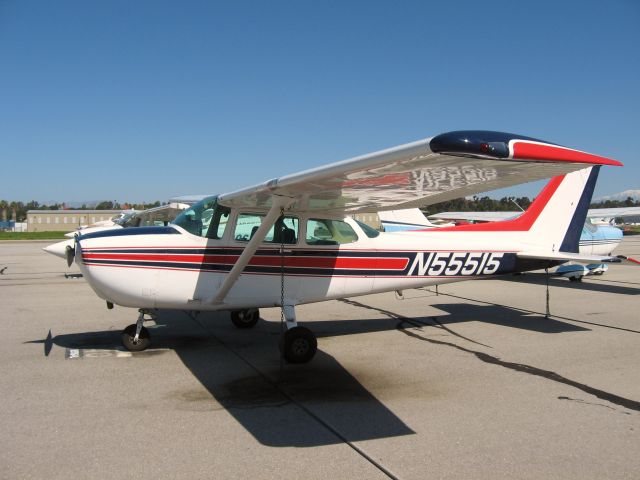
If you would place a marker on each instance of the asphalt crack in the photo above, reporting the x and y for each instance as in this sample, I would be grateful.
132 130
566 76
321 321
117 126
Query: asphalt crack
493 360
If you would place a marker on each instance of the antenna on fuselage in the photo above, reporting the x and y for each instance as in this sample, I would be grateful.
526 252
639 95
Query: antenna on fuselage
516 203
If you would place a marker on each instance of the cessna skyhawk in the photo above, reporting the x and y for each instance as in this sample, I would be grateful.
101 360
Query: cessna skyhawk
290 241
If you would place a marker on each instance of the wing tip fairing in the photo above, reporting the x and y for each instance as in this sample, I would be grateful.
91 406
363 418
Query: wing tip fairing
502 145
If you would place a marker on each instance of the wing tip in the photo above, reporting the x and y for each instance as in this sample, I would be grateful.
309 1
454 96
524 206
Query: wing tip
527 150
509 146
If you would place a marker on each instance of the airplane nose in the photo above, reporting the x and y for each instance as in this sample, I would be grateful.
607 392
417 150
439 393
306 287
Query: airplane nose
59 249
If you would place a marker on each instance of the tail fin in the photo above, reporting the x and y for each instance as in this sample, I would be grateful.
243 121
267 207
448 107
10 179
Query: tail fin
558 214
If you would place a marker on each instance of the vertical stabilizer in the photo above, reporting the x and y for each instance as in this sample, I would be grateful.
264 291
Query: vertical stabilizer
562 211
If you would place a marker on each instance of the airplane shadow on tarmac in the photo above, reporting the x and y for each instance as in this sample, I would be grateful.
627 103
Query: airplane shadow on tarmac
506 317
241 370
589 283
319 403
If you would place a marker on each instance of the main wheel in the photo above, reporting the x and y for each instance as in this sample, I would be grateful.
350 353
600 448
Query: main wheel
245 318
130 344
298 345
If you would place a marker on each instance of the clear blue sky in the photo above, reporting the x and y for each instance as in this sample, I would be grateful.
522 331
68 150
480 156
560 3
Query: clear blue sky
145 100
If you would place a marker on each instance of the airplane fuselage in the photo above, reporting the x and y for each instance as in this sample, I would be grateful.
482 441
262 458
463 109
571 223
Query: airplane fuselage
167 267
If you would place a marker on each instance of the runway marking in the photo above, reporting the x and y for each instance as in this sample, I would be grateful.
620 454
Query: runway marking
78 353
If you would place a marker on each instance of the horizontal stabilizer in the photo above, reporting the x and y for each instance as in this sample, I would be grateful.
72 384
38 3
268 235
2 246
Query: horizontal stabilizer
570 257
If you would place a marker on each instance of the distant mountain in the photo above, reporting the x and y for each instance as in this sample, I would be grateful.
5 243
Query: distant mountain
635 194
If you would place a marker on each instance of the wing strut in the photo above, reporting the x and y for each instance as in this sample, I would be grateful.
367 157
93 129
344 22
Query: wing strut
278 204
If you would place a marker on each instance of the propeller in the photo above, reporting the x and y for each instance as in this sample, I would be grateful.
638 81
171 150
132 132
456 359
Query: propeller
70 252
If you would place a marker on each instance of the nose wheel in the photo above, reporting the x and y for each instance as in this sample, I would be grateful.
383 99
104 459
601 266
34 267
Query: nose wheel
133 344
135 337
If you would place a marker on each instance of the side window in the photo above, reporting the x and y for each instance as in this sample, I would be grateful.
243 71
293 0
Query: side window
284 230
246 226
329 232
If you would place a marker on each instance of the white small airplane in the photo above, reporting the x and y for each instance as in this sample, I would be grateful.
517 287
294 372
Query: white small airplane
290 241
96 226
156 216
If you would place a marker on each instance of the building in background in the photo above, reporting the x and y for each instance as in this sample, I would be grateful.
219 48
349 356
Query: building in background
370 219
65 220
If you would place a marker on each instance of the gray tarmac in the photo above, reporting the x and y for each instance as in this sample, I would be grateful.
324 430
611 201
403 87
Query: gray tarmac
472 382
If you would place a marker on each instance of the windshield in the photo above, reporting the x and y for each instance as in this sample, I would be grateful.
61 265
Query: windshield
205 218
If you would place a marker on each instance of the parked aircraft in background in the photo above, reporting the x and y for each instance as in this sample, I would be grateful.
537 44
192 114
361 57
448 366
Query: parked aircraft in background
157 216
115 221
290 241
605 216
595 239
408 219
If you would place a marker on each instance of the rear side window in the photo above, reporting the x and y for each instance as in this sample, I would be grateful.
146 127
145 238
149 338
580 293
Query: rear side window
329 232
283 231
368 231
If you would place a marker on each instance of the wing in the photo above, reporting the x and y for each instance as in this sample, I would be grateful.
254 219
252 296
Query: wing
421 173
621 212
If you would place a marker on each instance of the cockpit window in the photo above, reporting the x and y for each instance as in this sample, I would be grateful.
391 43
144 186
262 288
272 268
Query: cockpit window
590 227
205 218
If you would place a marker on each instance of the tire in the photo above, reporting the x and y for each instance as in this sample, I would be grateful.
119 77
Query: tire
143 342
298 345
245 318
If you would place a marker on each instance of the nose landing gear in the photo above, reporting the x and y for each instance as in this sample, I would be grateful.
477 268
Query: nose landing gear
135 337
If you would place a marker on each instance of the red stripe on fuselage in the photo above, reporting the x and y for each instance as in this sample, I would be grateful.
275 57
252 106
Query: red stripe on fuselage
270 261
520 224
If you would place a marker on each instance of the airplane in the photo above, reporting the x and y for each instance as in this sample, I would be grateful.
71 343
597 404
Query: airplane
290 241
161 215
603 216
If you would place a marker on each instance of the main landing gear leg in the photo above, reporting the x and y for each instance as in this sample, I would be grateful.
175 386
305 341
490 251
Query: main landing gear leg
298 344
135 337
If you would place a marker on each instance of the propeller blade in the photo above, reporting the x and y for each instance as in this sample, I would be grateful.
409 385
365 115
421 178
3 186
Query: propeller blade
70 254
